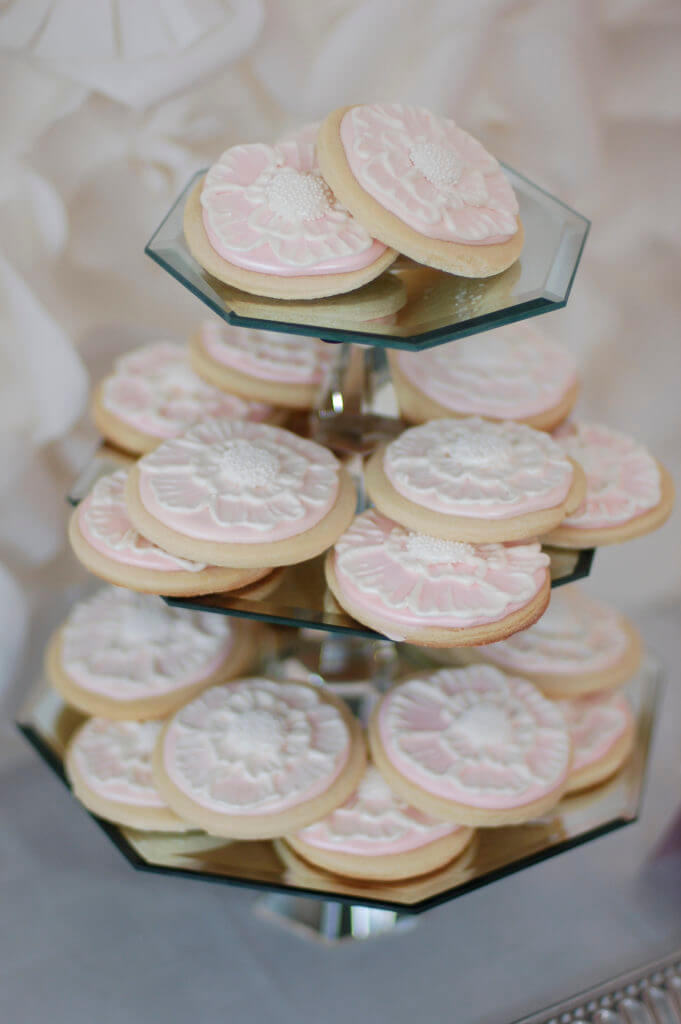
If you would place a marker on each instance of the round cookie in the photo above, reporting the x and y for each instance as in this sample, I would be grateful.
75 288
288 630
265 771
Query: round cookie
578 646
284 368
153 394
472 745
473 480
377 835
602 729
422 185
511 373
628 493
241 494
410 586
264 220
129 656
104 539
108 765
256 759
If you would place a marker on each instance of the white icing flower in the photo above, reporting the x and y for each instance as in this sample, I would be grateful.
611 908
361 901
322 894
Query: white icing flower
258 198
429 172
468 465
478 731
243 474
255 745
268 354
115 759
129 645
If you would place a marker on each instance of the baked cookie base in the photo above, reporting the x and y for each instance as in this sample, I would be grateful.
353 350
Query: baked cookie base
441 636
453 257
243 654
211 580
574 537
449 810
416 407
387 867
466 528
310 286
289 551
269 826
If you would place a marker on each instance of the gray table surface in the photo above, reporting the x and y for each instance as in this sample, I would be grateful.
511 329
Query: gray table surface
84 937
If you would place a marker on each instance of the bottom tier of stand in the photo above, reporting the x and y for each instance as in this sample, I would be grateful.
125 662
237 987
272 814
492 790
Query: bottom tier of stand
270 866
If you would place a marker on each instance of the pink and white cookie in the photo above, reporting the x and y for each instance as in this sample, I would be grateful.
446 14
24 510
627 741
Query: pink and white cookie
104 539
578 646
603 730
472 745
256 759
474 480
263 219
377 835
287 369
129 656
241 494
439 593
423 186
154 394
108 765
511 373
629 493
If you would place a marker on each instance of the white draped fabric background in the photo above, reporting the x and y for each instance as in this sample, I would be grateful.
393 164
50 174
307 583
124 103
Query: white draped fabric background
107 107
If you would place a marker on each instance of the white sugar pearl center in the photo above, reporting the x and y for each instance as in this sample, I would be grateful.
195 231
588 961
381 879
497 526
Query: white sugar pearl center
298 195
244 462
439 164
433 550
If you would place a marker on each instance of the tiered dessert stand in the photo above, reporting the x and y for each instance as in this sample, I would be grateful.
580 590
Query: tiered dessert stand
356 412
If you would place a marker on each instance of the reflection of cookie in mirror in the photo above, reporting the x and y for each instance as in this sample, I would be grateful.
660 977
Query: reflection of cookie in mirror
602 729
382 297
437 299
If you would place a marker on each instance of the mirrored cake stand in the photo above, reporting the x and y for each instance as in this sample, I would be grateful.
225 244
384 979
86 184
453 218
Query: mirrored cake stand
356 410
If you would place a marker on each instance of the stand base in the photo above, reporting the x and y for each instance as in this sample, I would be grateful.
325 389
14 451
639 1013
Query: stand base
328 922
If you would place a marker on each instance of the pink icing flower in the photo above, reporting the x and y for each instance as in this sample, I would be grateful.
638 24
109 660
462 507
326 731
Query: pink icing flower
269 355
422 579
623 479
268 209
430 173
115 759
255 746
474 467
129 645
596 723
243 474
476 735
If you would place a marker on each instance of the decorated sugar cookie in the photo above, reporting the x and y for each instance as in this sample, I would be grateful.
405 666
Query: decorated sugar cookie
255 759
284 368
578 646
629 493
512 373
602 728
104 539
472 745
154 394
375 834
130 656
414 587
109 767
422 185
472 480
263 219
241 494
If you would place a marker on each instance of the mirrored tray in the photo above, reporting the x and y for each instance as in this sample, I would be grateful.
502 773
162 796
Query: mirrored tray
437 307
47 723
300 597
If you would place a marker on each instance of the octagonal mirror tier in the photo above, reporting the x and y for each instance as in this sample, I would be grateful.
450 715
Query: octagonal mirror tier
272 867
434 307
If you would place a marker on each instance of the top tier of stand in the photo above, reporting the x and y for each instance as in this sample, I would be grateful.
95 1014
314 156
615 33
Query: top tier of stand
440 307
